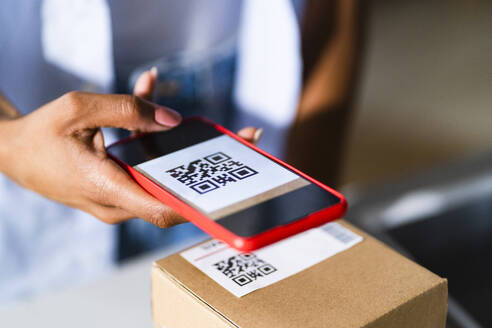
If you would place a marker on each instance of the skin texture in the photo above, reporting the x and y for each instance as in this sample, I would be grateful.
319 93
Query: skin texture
58 151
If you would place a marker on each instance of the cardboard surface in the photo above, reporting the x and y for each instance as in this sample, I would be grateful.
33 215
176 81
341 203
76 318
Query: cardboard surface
368 285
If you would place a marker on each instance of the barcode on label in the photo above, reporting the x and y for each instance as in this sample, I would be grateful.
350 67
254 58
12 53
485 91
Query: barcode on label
244 268
340 233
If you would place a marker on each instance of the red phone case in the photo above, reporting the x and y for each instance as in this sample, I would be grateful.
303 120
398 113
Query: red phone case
244 244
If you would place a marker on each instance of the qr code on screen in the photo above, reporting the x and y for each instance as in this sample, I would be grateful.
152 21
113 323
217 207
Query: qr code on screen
211 172
244 268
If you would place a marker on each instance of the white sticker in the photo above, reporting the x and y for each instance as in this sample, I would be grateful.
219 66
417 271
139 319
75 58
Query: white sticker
243 273
217 173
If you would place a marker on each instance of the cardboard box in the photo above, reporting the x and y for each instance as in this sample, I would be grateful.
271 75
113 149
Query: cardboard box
367 285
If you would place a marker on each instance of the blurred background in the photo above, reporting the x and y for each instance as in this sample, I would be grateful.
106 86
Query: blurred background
426 88
417 169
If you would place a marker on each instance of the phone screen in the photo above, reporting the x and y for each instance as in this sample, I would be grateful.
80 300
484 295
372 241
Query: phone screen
241 189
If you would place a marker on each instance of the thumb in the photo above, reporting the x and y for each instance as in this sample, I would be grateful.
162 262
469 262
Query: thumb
121 111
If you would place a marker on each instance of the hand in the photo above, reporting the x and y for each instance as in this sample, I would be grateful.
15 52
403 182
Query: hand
58 151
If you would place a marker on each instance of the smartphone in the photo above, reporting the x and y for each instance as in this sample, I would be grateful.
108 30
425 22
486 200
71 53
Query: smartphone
226 186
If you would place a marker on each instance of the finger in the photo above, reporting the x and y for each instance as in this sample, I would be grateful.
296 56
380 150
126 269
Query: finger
119 190
120 111
144 87
251 134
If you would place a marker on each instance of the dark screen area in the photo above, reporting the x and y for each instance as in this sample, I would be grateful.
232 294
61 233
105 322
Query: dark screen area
278 211
251 221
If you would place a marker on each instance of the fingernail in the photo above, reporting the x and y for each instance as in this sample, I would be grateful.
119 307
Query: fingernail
257 135
167 116
154 71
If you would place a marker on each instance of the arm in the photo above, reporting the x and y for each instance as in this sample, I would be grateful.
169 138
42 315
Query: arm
331 48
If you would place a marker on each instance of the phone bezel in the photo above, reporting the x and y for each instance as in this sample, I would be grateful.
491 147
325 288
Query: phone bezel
210 226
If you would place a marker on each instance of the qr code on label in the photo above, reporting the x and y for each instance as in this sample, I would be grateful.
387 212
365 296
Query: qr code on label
211 172
244 268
